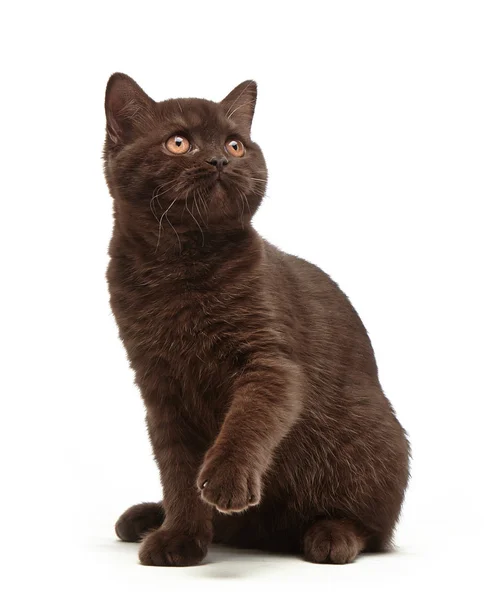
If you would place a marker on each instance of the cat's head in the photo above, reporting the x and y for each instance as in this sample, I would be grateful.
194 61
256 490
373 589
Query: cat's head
188 163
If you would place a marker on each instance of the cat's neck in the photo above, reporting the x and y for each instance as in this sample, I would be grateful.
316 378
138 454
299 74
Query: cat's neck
187 251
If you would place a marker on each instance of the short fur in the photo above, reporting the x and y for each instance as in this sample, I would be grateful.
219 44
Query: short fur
267 419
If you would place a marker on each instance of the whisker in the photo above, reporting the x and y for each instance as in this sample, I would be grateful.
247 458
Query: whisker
157 193
176 233
247 203
160 223
242 210
198 209
204 206
151 205
192 215
168 189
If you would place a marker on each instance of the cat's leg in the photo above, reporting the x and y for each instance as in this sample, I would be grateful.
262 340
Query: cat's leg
264 406
138 520
186 532
333 541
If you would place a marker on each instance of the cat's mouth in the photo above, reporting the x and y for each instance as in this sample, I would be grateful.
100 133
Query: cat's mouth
217 182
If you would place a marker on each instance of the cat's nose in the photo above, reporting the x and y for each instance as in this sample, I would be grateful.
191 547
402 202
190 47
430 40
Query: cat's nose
218 161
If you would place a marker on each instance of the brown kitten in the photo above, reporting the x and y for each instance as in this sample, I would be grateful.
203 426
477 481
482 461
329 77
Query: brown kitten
264 408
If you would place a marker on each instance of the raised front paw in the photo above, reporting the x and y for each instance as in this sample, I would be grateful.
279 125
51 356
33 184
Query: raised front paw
229 484
168 548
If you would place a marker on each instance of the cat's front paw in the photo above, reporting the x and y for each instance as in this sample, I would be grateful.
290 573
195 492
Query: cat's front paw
168 548
229 485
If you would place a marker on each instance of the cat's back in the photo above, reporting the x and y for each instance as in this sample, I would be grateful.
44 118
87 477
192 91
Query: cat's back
312 303
324 331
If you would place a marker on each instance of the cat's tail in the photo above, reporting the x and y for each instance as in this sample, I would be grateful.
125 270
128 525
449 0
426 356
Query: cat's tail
138 520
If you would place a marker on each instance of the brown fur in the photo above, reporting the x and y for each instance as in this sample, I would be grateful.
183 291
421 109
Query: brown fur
264 408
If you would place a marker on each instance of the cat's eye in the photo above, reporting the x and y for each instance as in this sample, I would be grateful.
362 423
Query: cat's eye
177 144
235 148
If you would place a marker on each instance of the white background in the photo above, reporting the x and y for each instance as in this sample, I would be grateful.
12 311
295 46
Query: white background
374 119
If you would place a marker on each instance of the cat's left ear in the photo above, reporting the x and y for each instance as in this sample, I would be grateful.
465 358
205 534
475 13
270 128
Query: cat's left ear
240 104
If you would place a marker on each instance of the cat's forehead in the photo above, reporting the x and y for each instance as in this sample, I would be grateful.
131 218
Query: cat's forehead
194 114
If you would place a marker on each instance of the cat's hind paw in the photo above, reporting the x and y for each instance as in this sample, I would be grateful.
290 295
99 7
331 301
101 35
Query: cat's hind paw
329 541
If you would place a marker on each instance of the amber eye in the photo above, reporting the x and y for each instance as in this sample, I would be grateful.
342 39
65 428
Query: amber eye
177 144
235 148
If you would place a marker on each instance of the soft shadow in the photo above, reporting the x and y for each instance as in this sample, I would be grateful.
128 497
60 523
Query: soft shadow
224 562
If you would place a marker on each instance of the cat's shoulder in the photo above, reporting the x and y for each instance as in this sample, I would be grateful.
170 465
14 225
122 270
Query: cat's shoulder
276 257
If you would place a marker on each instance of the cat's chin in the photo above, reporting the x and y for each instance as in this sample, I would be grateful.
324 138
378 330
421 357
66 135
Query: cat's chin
218 192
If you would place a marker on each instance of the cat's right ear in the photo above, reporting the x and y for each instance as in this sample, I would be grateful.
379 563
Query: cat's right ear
240 104
127 108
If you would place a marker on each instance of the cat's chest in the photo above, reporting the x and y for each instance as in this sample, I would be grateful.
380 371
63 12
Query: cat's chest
183 327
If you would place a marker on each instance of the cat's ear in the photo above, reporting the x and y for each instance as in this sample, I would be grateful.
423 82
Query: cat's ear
127 108
240 103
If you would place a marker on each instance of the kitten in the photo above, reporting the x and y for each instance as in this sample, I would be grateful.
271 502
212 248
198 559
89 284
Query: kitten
266 416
